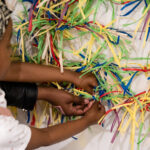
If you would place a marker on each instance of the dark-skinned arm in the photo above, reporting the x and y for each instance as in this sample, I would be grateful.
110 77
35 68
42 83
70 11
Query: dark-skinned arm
57 133
26 72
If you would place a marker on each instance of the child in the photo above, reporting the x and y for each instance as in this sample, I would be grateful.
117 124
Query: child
25 72
25 95
19 137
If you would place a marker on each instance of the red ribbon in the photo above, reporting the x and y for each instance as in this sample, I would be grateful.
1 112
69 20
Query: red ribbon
52 50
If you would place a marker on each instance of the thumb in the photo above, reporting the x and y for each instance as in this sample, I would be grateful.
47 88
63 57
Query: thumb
78 100
89 89
94 83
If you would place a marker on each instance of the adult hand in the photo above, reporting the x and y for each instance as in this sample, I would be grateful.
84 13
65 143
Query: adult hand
94 113
87 82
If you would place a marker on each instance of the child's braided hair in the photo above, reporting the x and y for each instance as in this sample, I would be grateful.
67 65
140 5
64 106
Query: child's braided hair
4 17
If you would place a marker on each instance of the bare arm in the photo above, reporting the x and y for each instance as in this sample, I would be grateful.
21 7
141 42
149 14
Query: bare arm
57 133
26 72
54 134
69 104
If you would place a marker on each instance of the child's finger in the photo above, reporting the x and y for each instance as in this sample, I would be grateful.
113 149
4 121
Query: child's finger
78 100
77 112
79 107
59 108
86 101
94 83
89 89
88 106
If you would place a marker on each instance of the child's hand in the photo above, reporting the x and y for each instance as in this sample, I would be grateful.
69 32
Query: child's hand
68 103
95 113
87 82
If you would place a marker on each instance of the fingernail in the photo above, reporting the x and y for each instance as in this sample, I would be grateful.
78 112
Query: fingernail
86 101
91 103
59 108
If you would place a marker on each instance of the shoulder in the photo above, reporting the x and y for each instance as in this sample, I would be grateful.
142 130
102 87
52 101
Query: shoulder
13 134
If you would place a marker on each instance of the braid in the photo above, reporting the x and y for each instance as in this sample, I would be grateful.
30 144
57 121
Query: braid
4 17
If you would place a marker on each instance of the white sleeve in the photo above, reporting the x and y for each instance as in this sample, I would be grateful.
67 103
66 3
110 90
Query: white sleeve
13 136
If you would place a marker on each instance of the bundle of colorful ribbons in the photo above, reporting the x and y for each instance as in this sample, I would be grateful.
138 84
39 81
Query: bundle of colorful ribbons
44 30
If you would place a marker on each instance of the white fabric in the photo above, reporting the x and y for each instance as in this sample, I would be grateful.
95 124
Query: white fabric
11 4
2 99
13 136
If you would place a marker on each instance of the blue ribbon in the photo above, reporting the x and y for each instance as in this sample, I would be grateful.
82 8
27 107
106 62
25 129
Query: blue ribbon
129 35
126 90
148 33
101 92
129 4
75 138
80 69
128 84
145 3
18 35
130 11
28 113
109 103
31 1
63 28
62 118
26 58
98 64
113 42
82 55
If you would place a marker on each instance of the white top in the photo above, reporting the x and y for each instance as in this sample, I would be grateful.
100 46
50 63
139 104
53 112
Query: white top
13 136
